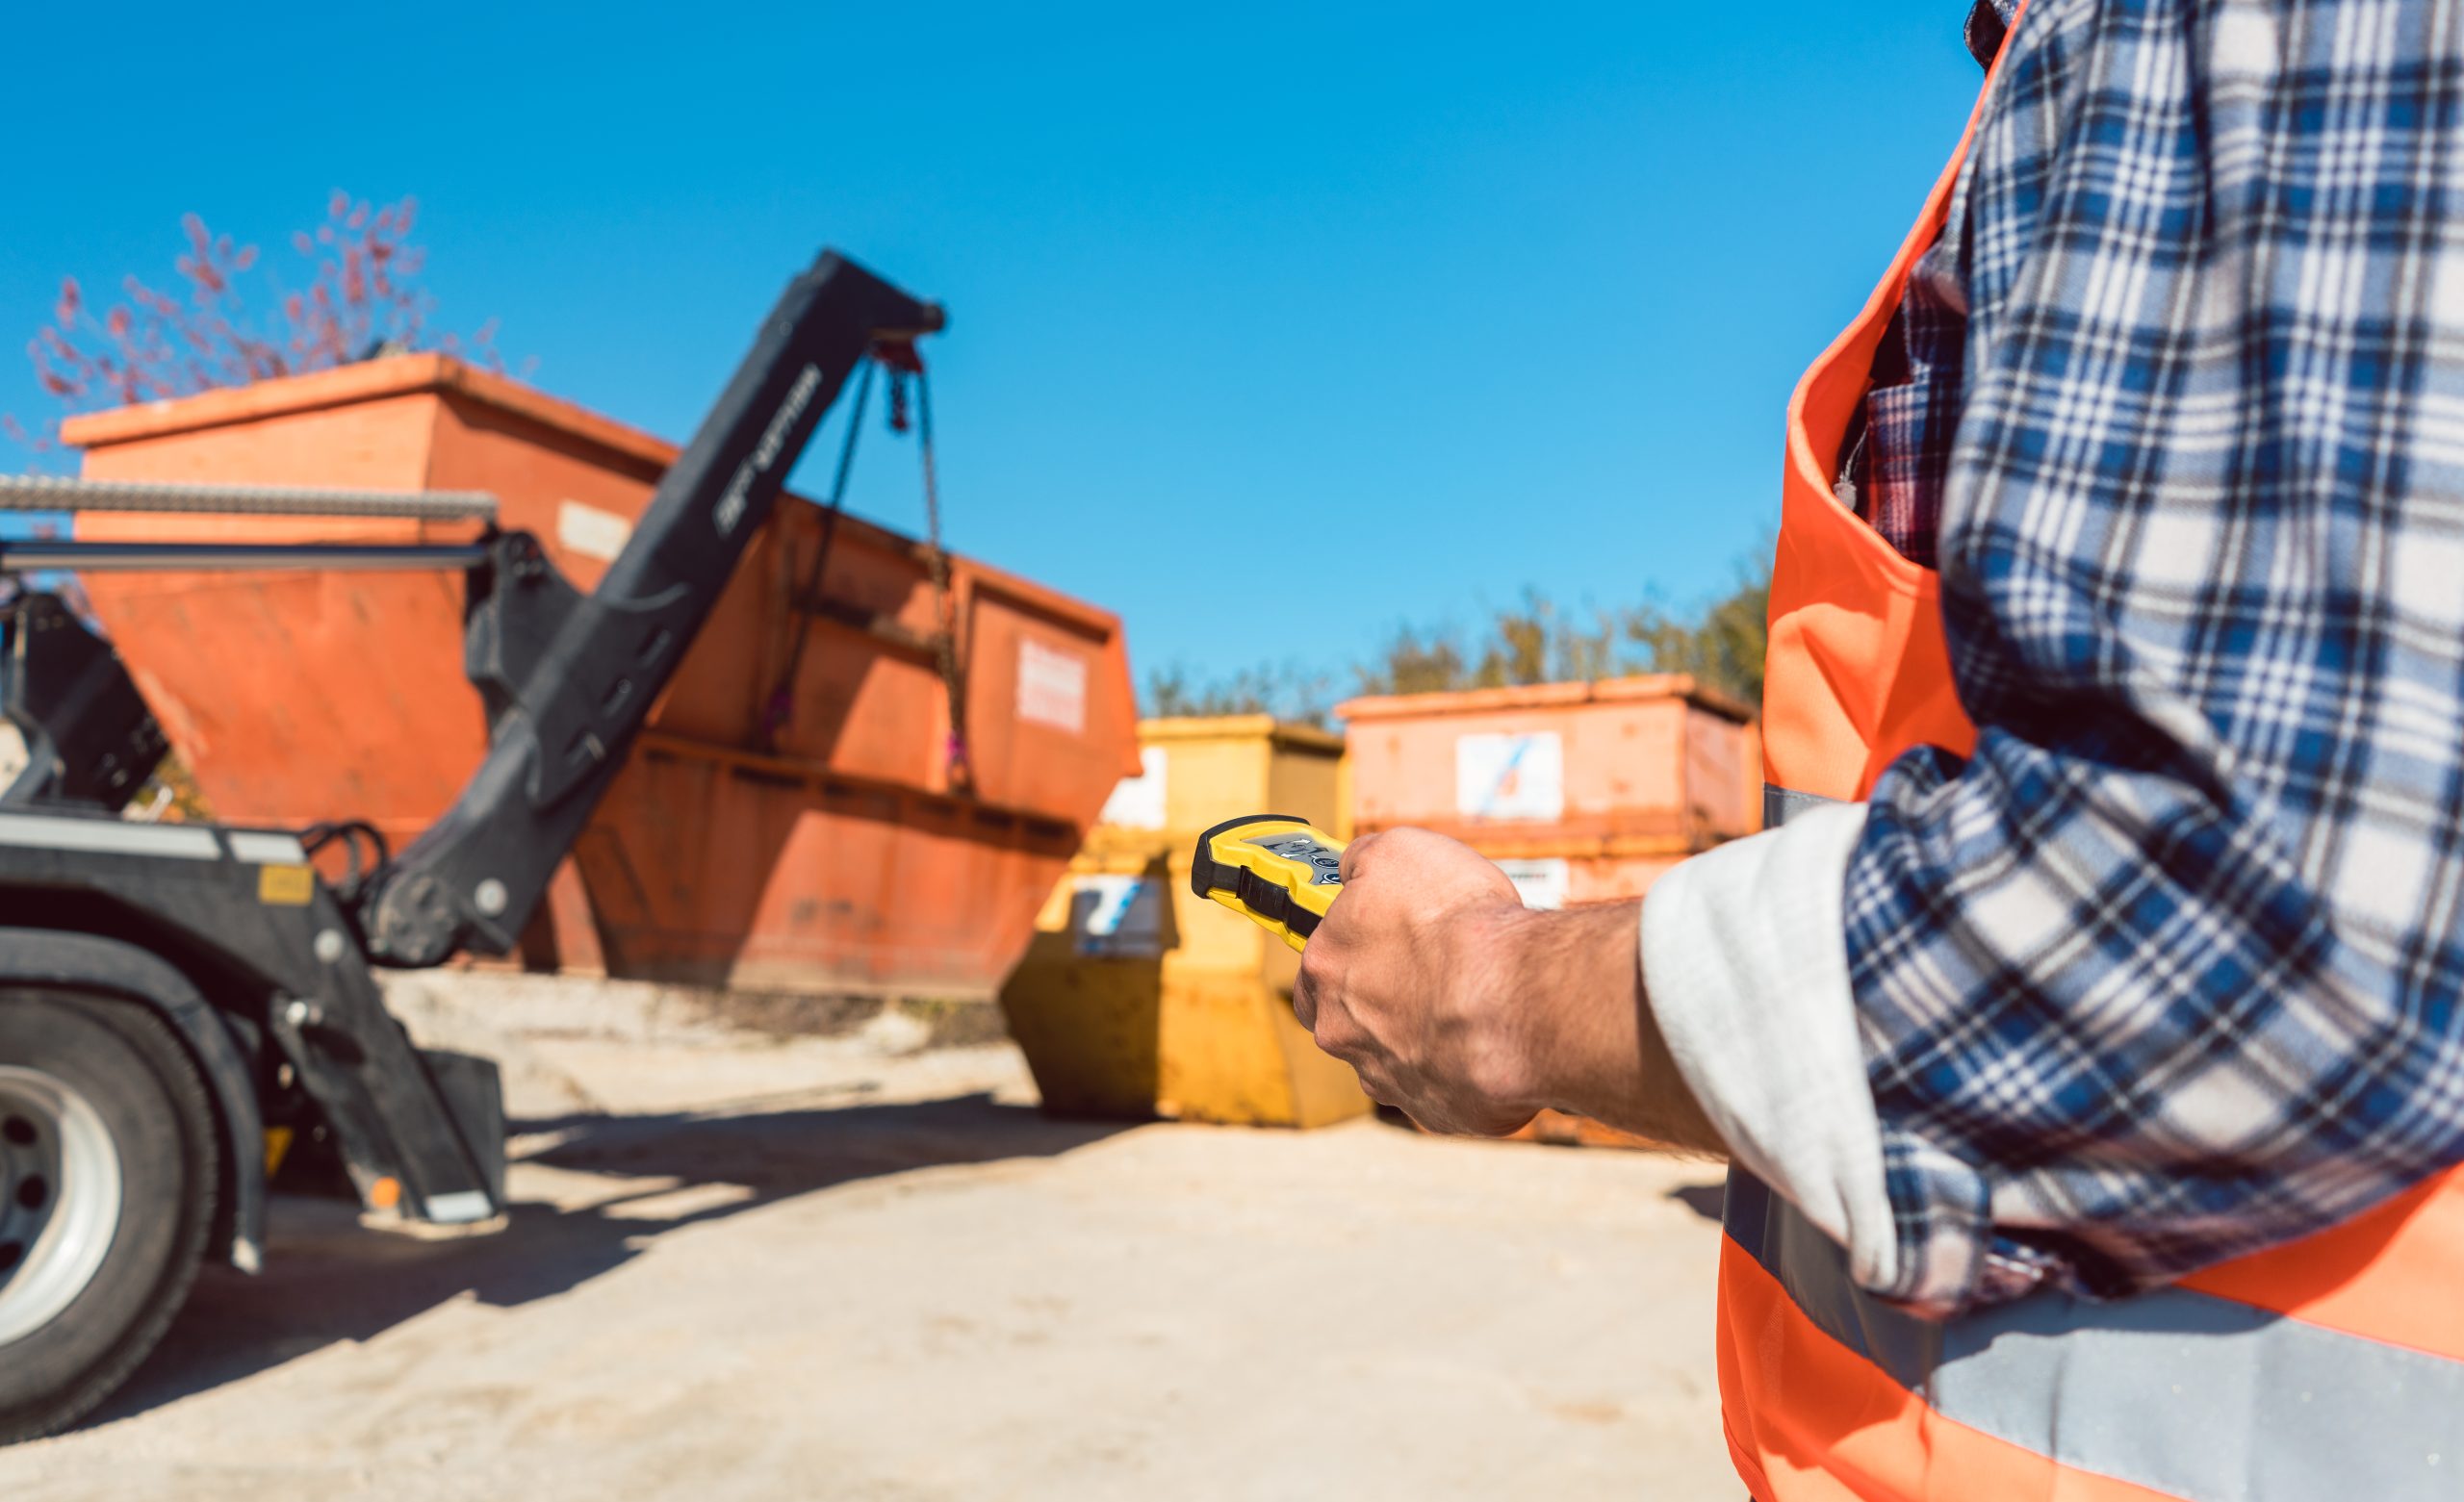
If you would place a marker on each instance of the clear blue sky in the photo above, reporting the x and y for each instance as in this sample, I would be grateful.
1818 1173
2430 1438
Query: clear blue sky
1409 308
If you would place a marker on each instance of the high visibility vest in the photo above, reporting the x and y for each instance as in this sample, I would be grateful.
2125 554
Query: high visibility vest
2329 1368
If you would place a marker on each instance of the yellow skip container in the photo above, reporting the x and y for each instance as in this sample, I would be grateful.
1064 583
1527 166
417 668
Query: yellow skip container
1139 998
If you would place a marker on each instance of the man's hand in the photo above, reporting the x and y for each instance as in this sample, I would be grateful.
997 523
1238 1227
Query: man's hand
1471 1013
1409 981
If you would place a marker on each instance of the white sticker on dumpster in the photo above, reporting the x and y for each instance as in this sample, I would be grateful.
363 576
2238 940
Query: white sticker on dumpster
1114 917
590 533
1138 802
1542 883
1052 687
1510 776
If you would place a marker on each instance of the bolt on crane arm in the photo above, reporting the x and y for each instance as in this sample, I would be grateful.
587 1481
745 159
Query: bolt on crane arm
568 678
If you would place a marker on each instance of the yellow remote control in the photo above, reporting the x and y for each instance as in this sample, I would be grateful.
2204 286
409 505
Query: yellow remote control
1271 869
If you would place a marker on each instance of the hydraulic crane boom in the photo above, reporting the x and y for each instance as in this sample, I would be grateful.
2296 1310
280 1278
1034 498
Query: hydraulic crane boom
568 678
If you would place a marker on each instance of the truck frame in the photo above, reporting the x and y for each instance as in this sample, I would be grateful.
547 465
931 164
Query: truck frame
175 998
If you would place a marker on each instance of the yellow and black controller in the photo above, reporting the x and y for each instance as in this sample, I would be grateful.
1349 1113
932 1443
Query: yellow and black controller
1273 869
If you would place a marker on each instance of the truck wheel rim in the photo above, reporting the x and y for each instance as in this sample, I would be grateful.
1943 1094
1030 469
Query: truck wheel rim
59 1191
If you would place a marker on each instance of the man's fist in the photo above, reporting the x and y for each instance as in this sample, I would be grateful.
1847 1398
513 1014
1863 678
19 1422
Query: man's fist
1412 980
1454 1002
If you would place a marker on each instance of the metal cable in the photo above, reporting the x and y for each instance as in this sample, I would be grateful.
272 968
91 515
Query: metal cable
49 493
953 673
42 553
779 707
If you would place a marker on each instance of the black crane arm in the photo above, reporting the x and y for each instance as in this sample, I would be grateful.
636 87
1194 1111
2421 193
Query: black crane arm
567 678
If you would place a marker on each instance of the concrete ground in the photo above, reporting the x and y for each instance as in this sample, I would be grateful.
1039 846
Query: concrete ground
749 1268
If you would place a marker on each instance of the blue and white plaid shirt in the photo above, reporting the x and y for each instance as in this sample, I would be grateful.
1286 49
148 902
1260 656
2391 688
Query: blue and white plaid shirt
2169 969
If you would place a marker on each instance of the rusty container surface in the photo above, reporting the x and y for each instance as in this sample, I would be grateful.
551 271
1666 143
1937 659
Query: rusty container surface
1140 998
840 856
1583 792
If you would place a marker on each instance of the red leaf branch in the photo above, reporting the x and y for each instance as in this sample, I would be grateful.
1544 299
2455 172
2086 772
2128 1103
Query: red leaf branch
363 297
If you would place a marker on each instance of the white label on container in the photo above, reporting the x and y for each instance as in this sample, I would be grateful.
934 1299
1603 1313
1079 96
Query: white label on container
1542 883
1138 802
1052 687
590 533
1117 917
1510 776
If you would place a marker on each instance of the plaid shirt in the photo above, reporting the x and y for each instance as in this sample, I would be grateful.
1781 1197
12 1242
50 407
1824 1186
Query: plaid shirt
2169 970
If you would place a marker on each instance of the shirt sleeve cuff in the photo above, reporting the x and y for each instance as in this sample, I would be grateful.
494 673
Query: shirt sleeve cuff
1746 970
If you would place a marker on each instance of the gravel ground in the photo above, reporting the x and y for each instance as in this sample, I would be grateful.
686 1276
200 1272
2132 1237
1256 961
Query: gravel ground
747 1268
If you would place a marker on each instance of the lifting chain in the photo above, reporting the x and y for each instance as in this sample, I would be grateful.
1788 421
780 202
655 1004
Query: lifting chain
782 704
946 646
910 408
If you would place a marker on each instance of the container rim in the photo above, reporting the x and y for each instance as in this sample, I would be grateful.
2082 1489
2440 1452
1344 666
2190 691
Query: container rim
98 433
1529 696
1163 729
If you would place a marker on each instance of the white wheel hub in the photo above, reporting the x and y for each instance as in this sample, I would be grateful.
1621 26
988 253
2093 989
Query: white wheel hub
59 1194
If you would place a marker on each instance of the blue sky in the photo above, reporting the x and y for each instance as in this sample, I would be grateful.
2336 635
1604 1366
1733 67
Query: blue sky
1406 310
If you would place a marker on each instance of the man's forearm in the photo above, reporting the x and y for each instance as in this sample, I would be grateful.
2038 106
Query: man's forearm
1595 1050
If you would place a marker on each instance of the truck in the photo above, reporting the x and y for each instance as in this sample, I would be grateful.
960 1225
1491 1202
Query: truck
180 1001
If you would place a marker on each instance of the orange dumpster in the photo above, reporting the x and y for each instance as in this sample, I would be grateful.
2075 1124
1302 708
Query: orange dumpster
1584 791
830 851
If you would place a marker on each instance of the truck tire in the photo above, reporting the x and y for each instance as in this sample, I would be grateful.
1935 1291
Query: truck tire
108 1174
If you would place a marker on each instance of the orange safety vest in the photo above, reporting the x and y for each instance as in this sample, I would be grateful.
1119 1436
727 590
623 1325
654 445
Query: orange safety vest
2331 1367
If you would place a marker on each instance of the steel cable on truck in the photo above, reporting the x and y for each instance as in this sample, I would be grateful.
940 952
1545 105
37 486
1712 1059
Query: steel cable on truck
953 677
782 695
51 492
903 365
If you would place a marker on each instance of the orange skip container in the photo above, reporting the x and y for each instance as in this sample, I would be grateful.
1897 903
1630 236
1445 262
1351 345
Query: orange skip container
1583 792
837 856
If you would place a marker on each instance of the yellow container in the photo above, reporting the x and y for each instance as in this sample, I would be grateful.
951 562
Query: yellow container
1138 998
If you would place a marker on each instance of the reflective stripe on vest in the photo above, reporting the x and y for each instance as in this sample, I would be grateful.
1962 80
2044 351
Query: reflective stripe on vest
2332 1367
2176 1394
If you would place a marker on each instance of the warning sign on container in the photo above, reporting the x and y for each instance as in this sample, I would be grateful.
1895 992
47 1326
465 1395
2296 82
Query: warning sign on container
1510 776
1052 687
589 532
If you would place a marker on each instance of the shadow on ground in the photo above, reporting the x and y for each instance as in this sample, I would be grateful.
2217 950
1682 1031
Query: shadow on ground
1707 1200
330 1280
